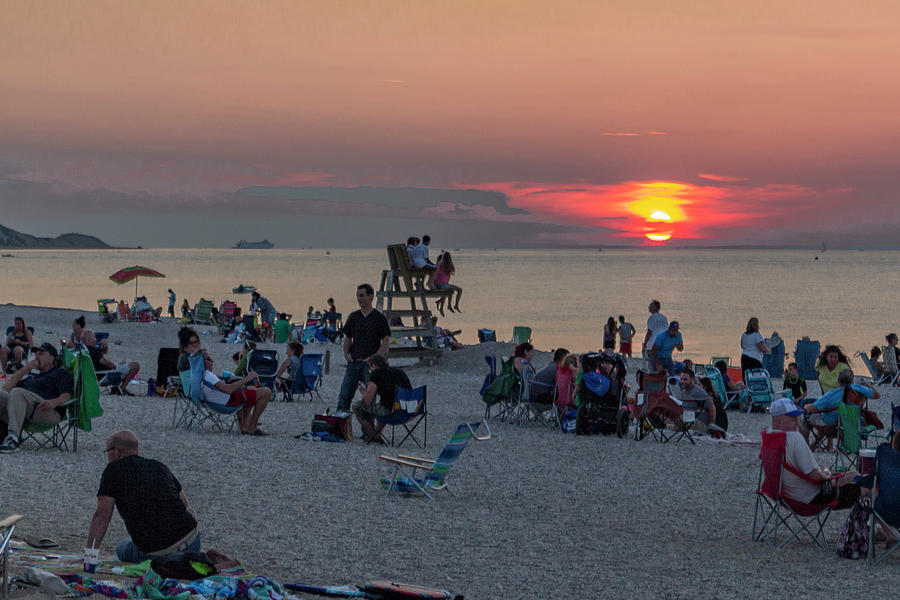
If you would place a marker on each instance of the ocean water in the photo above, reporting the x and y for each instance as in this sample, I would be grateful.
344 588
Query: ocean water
844 297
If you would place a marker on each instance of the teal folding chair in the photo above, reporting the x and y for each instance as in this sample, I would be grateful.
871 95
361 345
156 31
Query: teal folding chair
410 410
852 436
886 494
419 476
727 397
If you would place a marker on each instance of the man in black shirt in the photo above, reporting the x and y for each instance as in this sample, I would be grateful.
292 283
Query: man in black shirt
150 500
383 383
366 333
38 398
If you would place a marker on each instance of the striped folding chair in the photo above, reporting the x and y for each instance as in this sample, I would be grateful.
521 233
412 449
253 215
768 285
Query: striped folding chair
419 476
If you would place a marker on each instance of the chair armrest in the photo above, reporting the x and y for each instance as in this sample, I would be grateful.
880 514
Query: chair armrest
10 520
416 458
405 463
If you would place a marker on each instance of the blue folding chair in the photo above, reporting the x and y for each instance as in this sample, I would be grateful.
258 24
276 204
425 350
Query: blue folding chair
221 417
410 410
886 507
307 380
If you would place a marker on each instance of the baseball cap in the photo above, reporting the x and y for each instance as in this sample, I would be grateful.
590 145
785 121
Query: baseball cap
49 348
673 325
784 406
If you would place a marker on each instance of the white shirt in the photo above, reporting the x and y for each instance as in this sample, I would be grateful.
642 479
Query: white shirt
211 394
656 324
419 256
798 455
749 347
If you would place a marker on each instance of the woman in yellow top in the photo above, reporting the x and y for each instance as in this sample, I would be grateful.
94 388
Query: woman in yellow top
831 362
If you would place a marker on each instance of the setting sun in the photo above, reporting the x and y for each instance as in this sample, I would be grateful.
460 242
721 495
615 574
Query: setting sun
659 215
659 236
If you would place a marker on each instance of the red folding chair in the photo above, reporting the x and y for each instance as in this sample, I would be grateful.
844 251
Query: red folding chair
774 509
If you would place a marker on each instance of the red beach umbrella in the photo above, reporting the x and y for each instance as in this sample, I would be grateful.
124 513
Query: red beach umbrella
128 273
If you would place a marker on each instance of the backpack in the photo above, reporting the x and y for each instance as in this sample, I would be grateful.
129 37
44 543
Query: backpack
854 539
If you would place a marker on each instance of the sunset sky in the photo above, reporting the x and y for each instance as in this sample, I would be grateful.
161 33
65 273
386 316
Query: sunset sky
191 123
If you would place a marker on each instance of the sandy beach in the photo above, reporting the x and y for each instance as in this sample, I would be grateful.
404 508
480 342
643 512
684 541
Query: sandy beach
537 514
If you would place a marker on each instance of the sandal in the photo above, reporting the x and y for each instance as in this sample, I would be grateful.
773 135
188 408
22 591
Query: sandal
42 543
260 433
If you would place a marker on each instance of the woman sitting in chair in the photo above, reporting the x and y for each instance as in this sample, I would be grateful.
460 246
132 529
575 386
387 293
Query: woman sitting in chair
291 364
18 342
522 356
831 362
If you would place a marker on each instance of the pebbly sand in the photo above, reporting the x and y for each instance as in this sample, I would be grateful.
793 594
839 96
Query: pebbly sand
537 514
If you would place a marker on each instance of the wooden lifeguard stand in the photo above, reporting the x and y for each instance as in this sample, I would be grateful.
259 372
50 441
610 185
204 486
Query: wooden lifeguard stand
402 293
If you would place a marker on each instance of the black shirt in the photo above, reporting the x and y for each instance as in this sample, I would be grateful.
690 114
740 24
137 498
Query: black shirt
387 381
147 496
52 384
366 333
798 388
96 356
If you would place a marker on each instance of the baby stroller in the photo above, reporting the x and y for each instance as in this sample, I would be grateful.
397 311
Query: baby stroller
602 409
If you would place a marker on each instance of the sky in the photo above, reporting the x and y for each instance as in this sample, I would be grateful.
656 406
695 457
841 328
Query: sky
484 123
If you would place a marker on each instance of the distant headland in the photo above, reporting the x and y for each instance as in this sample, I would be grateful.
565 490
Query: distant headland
9 238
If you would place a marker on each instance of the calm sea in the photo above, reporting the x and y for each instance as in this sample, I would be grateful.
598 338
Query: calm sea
844 297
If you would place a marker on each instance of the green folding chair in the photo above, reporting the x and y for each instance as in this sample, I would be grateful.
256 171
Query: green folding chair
852 436
521 334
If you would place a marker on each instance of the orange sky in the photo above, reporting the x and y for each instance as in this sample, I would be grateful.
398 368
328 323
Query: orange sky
758 114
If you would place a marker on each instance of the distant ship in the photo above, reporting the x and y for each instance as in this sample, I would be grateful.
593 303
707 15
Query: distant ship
244 245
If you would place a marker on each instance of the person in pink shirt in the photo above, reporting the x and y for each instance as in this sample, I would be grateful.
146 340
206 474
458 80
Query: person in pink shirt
442 275
566 373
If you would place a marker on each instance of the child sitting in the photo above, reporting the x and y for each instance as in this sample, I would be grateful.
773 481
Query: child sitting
795 383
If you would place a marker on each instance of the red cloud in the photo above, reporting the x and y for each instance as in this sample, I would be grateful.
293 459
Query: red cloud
722 178
698 212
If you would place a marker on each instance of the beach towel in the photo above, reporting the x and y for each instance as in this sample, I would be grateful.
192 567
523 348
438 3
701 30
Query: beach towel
89 393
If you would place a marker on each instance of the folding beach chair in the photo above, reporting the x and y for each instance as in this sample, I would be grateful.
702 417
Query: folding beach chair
7 527
886 505
167 369
223 418
852 434
203 312
265 363
307 380
184 411
760 393
646 423
501 394
310 331
727 397
226 316
889 360
521 334
406 477
774 509
80 409
410 410
537 412
877 378
103 309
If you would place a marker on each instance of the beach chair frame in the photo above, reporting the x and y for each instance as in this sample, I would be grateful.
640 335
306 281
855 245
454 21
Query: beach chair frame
413 475
774 510
7 528
760 393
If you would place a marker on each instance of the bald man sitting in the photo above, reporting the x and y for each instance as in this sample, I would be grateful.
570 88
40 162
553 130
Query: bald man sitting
150 500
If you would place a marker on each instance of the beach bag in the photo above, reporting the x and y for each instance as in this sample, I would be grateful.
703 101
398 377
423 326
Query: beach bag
569 421
338 425
853 542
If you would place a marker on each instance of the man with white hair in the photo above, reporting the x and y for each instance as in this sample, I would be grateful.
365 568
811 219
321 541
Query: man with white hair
797 455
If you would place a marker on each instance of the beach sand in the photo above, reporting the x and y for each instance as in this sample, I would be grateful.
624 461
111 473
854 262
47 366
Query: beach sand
537 514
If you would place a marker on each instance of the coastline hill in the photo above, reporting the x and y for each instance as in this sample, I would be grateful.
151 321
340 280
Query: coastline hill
9 238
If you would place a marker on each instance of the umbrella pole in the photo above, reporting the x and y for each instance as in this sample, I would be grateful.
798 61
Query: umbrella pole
135 287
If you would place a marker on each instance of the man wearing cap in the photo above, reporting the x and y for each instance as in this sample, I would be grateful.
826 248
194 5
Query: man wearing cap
797 454
663 345
37 398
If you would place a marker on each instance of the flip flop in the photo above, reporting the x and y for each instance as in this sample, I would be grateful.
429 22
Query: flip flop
260 433
41 543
